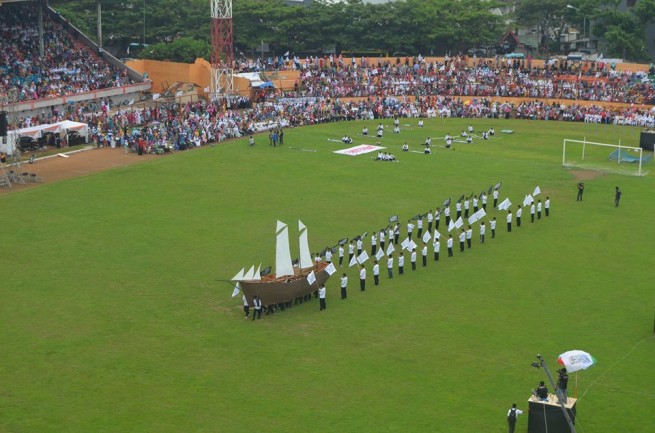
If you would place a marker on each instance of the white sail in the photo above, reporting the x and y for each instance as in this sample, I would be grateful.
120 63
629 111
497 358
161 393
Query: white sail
283 265
239 276
305 256
249 275
257 275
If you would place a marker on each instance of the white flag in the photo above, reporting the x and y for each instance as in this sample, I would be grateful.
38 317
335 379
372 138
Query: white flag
411 246
505 204
437 235
527 200
473 219
537 191
311 278
405 243
481 213
451 226
379 254
390 249
459 223
330 269
236 290
362 257
155 96
286 54
426 237
131 102
353 262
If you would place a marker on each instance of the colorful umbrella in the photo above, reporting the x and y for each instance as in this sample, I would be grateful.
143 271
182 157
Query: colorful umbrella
575 360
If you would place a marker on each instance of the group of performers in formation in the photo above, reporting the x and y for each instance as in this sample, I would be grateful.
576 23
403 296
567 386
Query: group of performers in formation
465 136
424 229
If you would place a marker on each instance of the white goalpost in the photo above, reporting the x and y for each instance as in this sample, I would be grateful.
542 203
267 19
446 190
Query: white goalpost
578 155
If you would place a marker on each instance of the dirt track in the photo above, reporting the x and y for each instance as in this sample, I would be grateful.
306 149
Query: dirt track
77 164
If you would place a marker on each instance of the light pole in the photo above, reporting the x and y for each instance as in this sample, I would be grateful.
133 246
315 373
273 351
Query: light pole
584 22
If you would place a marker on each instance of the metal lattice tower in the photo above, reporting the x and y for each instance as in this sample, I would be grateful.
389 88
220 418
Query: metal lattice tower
222 56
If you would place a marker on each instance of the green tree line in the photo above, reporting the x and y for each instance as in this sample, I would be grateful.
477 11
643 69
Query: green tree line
179 30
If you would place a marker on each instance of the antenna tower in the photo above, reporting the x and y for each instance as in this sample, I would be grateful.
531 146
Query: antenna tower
222 55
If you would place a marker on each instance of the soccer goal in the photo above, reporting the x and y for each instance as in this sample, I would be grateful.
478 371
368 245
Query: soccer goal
594 156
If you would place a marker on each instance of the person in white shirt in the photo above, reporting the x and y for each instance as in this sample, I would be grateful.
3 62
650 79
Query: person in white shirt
359 245
341 254
492 226
424 253
365 131
495 198
462 240
251 141
362 278
419 225
539 210
401 263
257 304
483 230
420 123
437 218
351 251
374 243
532 209
469 237
317 260
328 256
376 273
344 286
246 307
509 220
396 129
410 229
396 233
512 415
390 265
475 203
405 147
547 206
466 208
446 213
484 201
449 244
382 239
470 128
321 297
412 259
436 245
430 219
519 214
458 209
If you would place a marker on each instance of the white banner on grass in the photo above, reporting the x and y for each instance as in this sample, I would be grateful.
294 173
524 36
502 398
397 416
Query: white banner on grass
359 150
451 226
411 246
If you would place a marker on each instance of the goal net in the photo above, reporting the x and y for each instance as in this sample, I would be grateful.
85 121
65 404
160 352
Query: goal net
613 158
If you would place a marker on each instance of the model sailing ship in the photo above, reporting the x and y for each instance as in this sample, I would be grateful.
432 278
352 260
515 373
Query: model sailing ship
289 281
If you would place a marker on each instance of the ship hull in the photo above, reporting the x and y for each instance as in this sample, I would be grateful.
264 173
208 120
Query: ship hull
272 290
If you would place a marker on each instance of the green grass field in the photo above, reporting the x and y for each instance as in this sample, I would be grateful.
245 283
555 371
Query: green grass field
114 321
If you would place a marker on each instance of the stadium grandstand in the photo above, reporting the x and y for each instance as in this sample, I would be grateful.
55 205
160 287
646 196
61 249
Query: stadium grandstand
46 63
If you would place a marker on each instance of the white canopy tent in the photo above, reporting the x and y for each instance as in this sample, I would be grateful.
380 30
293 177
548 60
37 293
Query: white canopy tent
37 131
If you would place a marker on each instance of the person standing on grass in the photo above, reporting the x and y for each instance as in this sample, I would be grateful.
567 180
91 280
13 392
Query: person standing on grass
483 230
412 259
376 273
401 263
539 210
362 279
449 244
344 286
257 304
390 265
495 198
509 221
436 245
469 237
512 415
532 209
462 240
580 191
617 197
519 214
321 297
341 253
424 253
251 141
246 307
492 226
547 206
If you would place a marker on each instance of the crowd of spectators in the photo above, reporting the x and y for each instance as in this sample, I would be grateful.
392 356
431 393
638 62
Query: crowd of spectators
458 76
66 67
